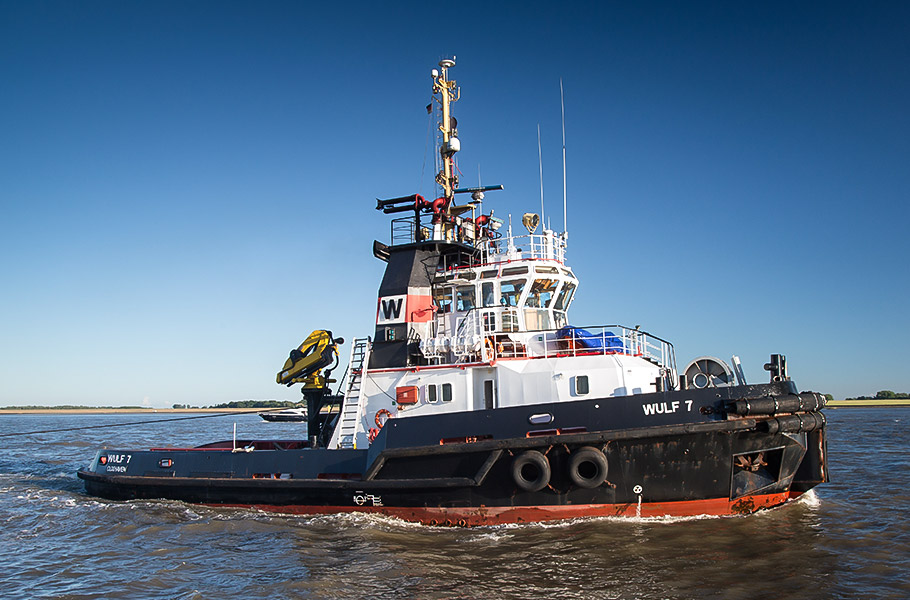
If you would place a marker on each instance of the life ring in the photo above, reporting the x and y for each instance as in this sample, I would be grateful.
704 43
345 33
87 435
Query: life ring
531 471
380 413
588 467
489 351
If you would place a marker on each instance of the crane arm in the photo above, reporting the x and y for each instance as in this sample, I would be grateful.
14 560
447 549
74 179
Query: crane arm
318 351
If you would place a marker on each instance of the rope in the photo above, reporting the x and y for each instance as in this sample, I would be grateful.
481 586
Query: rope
140 422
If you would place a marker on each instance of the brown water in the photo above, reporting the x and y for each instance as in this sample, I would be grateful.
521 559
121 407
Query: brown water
851 539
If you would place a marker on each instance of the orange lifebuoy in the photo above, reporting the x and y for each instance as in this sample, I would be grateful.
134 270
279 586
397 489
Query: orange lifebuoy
379 414
488 344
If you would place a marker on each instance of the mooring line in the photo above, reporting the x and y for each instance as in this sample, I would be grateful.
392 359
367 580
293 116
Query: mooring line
247 412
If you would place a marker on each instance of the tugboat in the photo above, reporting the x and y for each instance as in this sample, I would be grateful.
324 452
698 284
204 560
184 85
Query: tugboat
475 402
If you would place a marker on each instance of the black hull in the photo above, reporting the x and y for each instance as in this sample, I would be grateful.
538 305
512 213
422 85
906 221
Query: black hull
716 465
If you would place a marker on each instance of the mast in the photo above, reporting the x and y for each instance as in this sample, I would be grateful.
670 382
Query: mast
448 224
448 93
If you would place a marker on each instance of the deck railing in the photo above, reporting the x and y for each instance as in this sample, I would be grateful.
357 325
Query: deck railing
549 245
601 339
477 337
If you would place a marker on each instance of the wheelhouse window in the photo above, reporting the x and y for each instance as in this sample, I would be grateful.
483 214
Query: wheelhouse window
510 320
464 298
489 321
443 298
541 293
560 318
511 291
537 319
486 292
565 296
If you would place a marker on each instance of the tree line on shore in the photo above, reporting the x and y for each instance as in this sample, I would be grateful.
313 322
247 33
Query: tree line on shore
247 404
884 395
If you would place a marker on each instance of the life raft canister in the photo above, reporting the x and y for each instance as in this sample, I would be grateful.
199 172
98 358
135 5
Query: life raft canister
531 471
587 467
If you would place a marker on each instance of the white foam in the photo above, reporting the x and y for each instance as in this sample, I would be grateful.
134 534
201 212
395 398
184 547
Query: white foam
810 499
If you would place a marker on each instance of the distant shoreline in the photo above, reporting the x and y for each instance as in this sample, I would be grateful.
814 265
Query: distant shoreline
871 403
124 411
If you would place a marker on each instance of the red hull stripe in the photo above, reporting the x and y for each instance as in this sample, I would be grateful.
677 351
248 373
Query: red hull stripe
474 516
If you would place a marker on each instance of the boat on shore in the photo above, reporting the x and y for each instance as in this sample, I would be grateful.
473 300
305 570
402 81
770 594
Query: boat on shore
475 402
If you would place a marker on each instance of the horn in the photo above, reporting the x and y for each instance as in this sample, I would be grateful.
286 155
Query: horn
531 221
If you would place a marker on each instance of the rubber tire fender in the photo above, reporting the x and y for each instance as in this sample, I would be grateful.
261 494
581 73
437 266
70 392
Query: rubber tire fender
578 468
535 460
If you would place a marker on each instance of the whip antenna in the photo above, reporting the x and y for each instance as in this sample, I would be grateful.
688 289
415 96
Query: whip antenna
540 162
562 106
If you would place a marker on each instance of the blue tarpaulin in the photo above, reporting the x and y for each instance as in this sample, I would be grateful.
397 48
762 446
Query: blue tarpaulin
606 341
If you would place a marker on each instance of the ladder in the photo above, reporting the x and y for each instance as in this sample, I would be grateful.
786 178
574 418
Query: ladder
353 402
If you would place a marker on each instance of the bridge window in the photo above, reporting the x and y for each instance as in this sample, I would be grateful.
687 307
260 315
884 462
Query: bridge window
511 291
560 318
464 298
489 321
565 296
537 319
486 292
514 271
541 293
509 320
443 298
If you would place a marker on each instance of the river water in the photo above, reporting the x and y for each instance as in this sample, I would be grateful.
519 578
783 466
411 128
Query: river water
848 539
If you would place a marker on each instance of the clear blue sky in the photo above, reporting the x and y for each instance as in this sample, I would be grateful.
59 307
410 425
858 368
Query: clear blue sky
187 189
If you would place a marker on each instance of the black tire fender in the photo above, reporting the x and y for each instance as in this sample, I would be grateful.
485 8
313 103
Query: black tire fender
531 471
587 467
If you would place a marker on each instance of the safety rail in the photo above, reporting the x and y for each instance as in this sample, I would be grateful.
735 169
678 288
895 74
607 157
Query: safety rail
600 339
478 338
405 230
549 245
